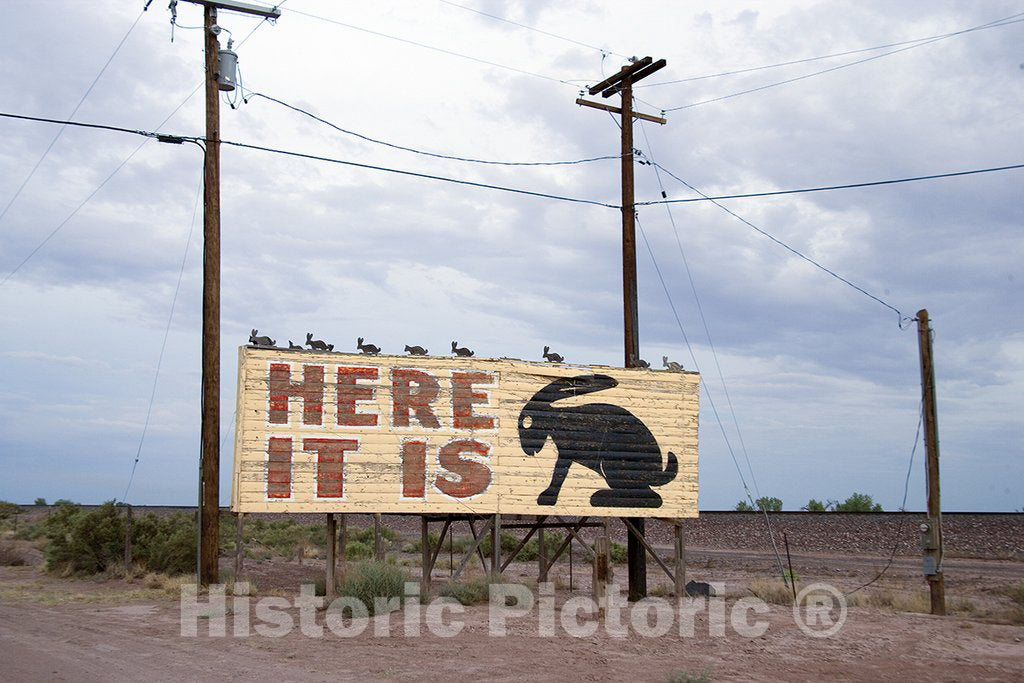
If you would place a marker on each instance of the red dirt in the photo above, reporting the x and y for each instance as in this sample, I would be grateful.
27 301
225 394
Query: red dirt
66 629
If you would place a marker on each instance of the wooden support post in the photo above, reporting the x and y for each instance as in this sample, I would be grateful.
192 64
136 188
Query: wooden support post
425 556
542 557
601 575
127 538
680 578
378 540
240 544
496 548
933 533
343 545
330 579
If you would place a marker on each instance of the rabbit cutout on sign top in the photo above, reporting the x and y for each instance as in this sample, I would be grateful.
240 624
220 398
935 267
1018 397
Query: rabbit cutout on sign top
605 438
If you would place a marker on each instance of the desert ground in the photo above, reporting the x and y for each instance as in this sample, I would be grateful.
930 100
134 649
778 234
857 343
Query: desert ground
130 626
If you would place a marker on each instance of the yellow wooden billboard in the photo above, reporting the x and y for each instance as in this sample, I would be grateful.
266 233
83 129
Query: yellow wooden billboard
335 432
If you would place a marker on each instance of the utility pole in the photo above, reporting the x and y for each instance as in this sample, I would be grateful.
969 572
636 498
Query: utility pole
622 83
931 529
209 493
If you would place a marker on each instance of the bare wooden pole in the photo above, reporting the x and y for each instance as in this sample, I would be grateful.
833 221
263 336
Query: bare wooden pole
343 545
239 545
210 429
330 578
496 548
378 541
425 555
932 528
680 543
542 557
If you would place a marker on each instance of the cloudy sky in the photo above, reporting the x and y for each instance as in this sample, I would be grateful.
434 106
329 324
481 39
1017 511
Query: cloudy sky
813 382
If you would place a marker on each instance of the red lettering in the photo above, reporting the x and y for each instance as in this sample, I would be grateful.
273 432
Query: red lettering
330 464
349 392
279 468
474 476
414 469
405 399
310 390
463 398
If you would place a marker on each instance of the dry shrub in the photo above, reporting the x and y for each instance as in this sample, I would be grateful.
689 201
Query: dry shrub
11 555
772 592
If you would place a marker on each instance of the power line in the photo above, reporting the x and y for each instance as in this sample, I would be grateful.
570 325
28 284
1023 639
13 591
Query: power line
707 392
422 152
847 186
902 318
126 159
992 24
163 345
74 111
433 48
428 176
700 311
903 505
792 62
602 50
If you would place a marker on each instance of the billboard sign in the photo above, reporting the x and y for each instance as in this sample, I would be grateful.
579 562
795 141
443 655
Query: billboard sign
335 432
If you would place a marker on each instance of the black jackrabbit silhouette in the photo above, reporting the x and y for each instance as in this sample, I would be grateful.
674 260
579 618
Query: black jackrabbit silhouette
416 350
260 341
317 344
460 350
552 357
294 346
605 438
368 349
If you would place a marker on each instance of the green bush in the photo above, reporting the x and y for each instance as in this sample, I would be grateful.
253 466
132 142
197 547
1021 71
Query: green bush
165 544
357 550
40 501
8 509
84 542
470 592
858 502
369 580
617 552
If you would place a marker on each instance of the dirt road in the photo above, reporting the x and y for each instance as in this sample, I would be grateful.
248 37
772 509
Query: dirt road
83 630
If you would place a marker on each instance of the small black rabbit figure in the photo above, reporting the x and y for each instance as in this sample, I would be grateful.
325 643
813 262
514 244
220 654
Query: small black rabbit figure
605 438
294 346
368 349
552 357
643 364
416 350
461 350
260 341
317 344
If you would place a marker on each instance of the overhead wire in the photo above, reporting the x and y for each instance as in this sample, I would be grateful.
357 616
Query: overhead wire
251 94
805 60
707 392
825 188
74 111
433 48
714 354
428 176
121 165
534 29
903 505
163 344
1006 21
902 318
